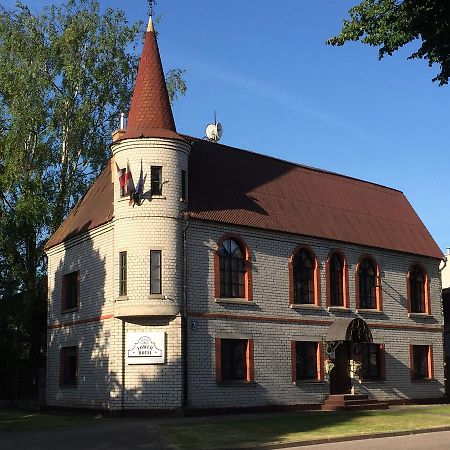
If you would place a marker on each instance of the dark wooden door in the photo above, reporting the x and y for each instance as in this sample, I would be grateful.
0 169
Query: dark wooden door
340 382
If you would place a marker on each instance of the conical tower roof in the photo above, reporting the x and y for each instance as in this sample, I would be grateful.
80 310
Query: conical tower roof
150 112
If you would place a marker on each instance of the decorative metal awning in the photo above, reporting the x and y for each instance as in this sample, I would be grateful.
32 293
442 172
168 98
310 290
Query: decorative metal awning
353 330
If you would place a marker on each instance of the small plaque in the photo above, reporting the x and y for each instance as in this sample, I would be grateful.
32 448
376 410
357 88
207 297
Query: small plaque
146 348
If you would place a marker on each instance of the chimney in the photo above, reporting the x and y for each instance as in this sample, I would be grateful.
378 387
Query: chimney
117 134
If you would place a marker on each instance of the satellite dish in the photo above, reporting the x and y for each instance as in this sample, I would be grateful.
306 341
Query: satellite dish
214 132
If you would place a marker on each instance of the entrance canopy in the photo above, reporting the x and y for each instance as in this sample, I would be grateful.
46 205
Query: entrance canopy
353 330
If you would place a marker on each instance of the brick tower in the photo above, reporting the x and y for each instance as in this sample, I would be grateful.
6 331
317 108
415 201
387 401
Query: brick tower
148 237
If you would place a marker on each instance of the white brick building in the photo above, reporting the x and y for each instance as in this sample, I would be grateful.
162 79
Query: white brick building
236 280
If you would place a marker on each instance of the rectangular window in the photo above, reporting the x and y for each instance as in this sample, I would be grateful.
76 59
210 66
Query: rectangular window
183 185
421 362
155 272
371 357
70 291
156 180
68 370
123 273
306 361
234 360
123 187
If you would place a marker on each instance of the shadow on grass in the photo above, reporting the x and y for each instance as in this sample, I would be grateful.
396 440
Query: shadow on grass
247 432
20 420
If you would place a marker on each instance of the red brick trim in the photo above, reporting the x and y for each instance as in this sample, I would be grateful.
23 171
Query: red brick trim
248 278
218 351
294 361
79 322
411 362
317 289
250 361
430 363
320 362
378 289
345 287
254 318
426 288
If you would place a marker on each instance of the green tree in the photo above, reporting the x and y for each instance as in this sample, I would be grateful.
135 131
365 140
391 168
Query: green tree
391 24
66 73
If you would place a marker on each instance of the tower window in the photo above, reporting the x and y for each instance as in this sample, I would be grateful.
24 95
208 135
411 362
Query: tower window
155 272
123 273
156 180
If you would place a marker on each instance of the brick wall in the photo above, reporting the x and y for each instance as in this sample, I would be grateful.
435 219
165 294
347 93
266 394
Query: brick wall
274 324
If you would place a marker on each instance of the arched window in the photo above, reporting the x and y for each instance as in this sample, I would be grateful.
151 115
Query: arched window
418 298
304 278
336 286
369 296
232 269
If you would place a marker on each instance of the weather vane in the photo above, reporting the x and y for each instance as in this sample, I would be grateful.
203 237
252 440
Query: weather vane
151 7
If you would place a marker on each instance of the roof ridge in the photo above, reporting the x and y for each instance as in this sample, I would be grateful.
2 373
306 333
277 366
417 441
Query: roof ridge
302 166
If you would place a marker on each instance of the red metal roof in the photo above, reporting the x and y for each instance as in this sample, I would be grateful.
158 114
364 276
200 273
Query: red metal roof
242 188
94 209
150 113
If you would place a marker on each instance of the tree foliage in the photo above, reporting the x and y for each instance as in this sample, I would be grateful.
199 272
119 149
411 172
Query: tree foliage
66 74
391 24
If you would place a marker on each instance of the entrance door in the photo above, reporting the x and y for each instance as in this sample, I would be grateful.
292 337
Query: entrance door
340 382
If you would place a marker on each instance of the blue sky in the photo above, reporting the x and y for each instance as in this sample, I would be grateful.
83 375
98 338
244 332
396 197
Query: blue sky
279 90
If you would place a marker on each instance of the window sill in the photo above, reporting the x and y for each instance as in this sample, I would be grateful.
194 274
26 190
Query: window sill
373 381
236 383
157 297
368 311
303 382
235 301
418 315
121 298
70 310
157 197
338 309
304 306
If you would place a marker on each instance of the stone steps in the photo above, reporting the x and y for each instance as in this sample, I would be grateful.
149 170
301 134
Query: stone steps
349 402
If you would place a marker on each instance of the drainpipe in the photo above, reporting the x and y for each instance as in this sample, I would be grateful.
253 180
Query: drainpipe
184 311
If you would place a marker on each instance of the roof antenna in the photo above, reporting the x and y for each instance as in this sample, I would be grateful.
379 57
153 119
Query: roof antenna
214 131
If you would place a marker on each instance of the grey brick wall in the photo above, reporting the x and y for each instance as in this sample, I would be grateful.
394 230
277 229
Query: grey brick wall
270 254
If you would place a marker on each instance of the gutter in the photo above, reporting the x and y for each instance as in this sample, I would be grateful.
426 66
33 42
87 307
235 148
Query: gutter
184 309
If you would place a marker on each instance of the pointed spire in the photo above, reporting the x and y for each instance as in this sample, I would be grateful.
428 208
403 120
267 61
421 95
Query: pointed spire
150 112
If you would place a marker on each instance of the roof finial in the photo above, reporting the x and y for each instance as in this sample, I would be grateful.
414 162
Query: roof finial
151 7
151 11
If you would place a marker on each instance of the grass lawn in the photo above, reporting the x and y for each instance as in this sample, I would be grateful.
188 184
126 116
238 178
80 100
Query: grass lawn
16 420
301 427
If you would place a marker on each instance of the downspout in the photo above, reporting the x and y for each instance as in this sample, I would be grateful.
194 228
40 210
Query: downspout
122 400
184 310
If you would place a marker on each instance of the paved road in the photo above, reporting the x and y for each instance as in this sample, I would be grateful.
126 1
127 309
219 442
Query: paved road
124 434
426 441
139 434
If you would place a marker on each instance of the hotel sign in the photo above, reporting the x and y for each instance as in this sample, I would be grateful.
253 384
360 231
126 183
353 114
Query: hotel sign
146 348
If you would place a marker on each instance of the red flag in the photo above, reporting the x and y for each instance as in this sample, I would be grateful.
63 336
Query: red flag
121 175
129 182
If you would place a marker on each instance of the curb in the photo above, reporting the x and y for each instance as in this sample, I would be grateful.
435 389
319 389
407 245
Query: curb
361 437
